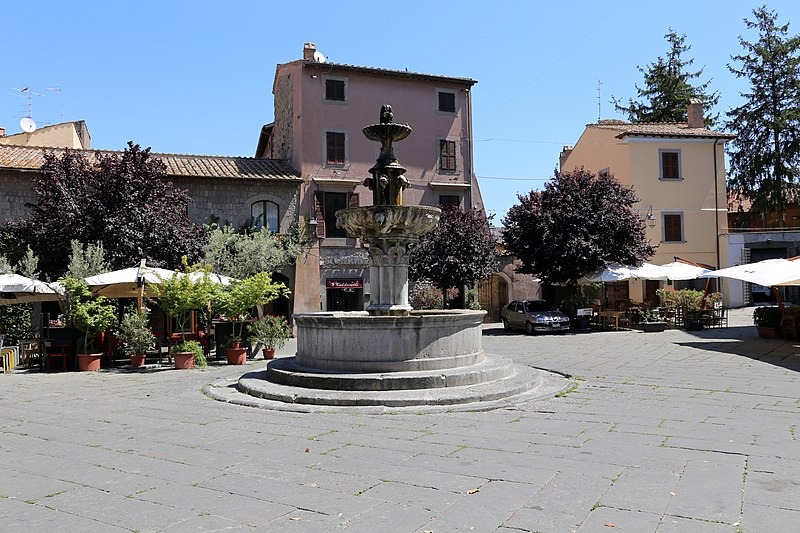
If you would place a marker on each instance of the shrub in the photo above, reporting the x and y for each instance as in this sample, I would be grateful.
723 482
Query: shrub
767 316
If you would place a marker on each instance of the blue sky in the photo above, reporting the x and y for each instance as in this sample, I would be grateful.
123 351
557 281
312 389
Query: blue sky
196 76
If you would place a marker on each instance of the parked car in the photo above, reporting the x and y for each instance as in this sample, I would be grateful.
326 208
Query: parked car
534 316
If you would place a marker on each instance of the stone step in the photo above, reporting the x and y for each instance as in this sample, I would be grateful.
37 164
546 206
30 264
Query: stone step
286 371
521 380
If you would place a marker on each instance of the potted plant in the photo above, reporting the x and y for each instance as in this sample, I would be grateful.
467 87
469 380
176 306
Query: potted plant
575 306
90 315
237 301
188 354
135 335
651 323
270 331
768 321
179 296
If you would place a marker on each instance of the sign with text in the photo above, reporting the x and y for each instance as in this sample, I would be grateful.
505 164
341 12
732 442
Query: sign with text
344 284
586 311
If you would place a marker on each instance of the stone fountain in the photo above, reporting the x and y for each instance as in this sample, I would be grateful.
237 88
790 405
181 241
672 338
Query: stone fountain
390 356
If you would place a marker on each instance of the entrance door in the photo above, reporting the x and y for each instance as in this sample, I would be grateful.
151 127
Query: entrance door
344 299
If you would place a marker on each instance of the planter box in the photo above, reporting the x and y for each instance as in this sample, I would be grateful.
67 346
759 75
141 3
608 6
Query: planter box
653 327
768 332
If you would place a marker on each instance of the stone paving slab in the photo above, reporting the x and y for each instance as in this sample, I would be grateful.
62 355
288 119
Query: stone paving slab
670 432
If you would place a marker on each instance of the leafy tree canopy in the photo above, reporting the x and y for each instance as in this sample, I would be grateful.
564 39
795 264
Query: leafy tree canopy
246 253
765 156
122 201
668 88
459 251
578 224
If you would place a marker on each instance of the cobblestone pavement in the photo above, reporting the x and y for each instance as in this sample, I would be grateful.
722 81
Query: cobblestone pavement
668 432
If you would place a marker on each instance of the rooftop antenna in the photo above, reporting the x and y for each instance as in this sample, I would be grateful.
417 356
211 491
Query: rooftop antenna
28 94
599 99
57 89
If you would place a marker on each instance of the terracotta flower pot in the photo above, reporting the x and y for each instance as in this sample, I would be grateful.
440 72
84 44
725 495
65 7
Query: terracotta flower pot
89 361
236 356
768 332
184 360
138 360
269 353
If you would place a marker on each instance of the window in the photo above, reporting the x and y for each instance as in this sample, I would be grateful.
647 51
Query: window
673 227
334 90
670 164
449 200
265 214
447 102
447 155
335 148
334 201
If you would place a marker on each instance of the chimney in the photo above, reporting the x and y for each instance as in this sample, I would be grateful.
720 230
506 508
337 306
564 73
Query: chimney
2 132
694 115
308 51
565 151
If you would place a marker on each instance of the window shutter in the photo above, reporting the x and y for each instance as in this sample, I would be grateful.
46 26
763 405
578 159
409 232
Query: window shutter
319 211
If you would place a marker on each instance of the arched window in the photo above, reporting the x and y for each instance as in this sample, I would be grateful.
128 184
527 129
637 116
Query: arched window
265 214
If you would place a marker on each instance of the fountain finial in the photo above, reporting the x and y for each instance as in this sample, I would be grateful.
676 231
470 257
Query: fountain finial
387 181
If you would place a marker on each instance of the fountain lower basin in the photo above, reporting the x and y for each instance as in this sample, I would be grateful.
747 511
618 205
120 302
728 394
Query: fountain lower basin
358 342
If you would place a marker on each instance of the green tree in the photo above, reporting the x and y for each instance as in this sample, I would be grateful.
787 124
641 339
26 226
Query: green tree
238 299
240 254
765 156
459 251
578 224
29 264
181 294
85 261
668 88
88 313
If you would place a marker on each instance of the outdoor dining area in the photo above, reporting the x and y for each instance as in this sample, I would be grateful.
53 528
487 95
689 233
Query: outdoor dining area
665 307
133 316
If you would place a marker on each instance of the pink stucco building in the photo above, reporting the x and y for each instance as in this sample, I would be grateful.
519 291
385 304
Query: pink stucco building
320 110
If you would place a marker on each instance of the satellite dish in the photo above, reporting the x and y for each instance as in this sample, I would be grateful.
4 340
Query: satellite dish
28 125
318 57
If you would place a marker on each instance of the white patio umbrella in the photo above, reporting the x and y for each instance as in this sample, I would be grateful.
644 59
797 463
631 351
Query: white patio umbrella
127 282
17 289
617 272
769 273
680 271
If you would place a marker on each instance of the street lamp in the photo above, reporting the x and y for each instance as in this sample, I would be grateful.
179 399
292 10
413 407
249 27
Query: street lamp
650 218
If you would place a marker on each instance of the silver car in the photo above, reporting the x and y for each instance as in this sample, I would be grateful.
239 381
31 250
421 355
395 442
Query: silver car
534 316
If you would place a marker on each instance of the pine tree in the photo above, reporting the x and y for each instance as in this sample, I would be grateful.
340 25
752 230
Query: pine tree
668 88
765 155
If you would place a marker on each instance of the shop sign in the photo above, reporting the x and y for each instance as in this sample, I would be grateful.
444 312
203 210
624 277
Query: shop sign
344 284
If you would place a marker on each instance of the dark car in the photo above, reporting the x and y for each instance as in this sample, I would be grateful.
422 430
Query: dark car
534 316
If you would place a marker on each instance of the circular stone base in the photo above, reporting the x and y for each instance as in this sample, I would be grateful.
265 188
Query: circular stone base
519 384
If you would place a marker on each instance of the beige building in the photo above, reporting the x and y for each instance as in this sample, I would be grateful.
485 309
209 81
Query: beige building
678 173
320 110
64 135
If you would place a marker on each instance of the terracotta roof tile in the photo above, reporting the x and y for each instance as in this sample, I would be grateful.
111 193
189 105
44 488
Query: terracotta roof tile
658 129
32 158
389 72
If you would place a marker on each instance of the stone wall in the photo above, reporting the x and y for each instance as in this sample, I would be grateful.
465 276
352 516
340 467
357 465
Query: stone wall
16 187
225 198
229 200
282 131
